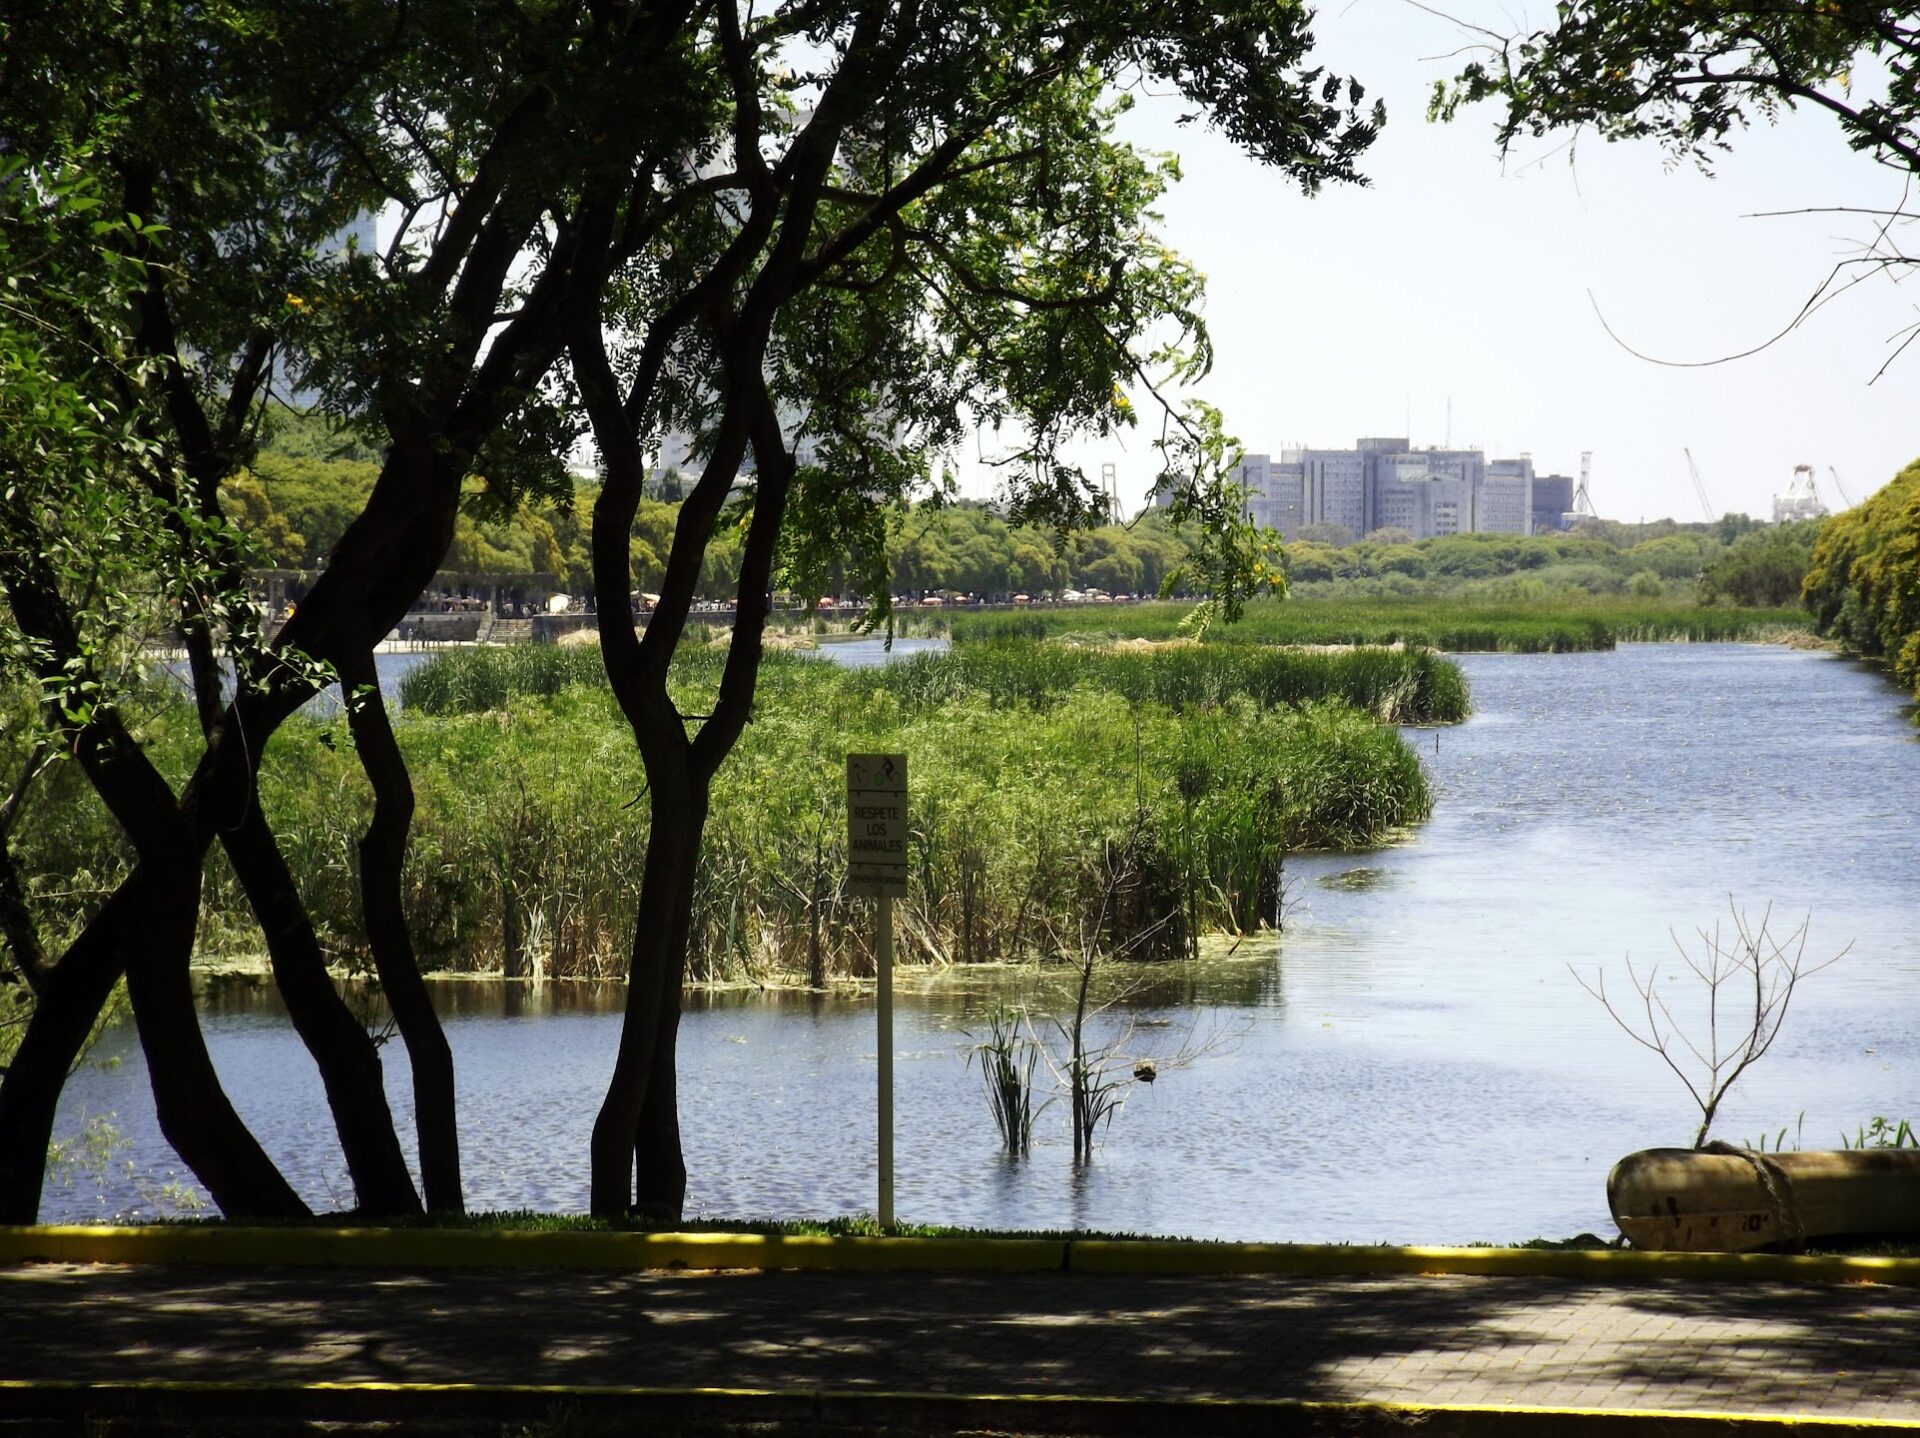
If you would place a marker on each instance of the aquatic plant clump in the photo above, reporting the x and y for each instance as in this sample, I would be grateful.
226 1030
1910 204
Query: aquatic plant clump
525 848
472 681
1177 782
1395 686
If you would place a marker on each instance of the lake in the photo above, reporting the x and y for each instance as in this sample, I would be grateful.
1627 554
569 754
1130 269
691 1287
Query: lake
1410 1061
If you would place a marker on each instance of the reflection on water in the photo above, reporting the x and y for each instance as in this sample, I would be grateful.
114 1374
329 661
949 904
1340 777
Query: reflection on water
390 668
866 651
1413 1062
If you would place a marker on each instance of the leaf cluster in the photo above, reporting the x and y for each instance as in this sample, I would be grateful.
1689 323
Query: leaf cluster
1688 73
1863 584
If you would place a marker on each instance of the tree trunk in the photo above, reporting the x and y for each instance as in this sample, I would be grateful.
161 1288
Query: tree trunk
638 1126
153 945
383 851
660 1166
75 991
195 1115
341 1047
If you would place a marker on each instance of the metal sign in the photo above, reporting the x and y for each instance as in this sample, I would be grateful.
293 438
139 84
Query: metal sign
877 825
877 865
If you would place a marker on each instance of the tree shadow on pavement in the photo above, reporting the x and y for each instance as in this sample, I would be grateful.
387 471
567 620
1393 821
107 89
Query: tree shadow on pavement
1726 1347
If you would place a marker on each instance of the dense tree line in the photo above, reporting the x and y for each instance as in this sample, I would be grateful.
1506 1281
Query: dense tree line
1863 586
296 506
1734 561
296 502
1764 567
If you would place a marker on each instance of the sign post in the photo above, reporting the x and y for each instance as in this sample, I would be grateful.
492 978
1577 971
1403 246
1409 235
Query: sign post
877 865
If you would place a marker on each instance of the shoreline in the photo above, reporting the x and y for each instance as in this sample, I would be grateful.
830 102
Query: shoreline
1214 948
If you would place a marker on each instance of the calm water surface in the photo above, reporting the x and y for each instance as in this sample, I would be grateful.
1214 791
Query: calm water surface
866 651
1412 1062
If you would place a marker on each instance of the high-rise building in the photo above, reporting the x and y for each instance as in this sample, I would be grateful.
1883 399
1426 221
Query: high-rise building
1275 490
1506 497
1552 501
1428 491
1336 490
1383 482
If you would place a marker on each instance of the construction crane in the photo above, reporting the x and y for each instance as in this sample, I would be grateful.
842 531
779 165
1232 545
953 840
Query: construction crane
1846 500
1582 499
1699 487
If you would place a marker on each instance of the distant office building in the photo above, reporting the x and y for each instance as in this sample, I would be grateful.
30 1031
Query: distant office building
1552 501
1426 492
1275 490
1336 489
1382 482
1506 497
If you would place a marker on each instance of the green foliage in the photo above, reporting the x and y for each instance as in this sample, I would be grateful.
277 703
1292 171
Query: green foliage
1656 560
475 681
87 516
296 506
1882 1132
1763 569
309 500
987 256
315 435
1007 1055
1863 586
1688 75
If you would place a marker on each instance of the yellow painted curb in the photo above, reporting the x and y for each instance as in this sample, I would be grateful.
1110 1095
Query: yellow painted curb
461 1248
1266 1416
1602 1265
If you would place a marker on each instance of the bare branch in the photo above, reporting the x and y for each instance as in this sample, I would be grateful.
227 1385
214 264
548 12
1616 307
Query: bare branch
1774 966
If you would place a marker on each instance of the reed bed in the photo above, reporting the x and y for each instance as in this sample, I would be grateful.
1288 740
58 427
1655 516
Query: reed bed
1395 686
1160 790
527 844
1533 627
472 681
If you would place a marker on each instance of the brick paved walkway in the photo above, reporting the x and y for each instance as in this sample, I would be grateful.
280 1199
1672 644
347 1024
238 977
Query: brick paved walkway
1746 1348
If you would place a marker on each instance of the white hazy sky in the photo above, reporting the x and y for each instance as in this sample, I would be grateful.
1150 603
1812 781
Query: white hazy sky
1458 278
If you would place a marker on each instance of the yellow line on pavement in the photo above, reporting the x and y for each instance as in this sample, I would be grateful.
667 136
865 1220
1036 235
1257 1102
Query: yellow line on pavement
1288 1414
